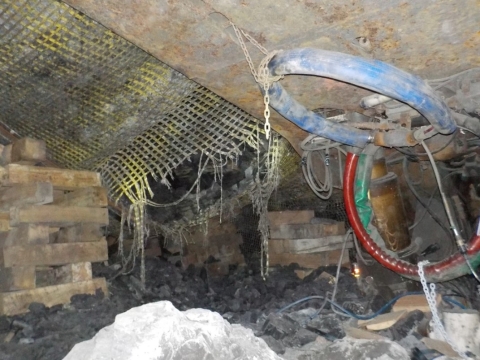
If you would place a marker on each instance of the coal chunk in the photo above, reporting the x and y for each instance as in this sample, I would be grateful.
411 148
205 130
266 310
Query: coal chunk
329 326
164 292
4 324
279 326
37 308
406 325
300 338
83 301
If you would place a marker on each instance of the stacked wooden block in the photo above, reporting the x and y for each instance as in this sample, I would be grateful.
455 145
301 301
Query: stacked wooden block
50 230
298 237
217 249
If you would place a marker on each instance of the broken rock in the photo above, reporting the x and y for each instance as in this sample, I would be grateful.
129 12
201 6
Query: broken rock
349 349
279 326
160 331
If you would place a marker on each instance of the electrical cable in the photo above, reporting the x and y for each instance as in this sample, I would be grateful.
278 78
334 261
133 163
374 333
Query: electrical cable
415 154
339 265
439 83
316 144
347 312
337 276
453 225
323 189
472 270
470 131
420 200
360 251
454 172
454 302
411 227
452 76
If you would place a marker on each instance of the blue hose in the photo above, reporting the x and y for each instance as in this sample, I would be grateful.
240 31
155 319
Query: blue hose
454 302
347 312
370 74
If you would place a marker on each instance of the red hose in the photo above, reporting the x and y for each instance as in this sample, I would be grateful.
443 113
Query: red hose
437 270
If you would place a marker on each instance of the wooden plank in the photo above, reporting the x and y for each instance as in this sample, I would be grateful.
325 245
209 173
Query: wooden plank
413 302
12 137
53 254
60 178
45 276
4 221
309 261
86 197
3 238
277 218
7 154
58 196
25 194
72 273
440 346
213 227
383 321
307 246
17 302
53 215
306 231
276 246
26 234
17 278
80 233
28 149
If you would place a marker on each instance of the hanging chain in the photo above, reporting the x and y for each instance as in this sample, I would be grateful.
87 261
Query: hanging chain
432 303
262 76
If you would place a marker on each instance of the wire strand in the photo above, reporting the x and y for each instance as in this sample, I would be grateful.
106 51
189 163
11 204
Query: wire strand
453 225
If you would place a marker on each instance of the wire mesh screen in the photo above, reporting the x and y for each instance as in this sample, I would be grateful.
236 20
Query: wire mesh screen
100 102
103 104
293 193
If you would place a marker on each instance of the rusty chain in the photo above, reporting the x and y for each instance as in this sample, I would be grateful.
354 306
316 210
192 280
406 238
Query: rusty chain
262 76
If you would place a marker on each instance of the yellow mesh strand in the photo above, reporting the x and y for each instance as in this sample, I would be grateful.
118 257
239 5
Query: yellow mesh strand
101 103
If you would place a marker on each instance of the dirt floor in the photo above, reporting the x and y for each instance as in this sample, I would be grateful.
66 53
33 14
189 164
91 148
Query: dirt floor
241 297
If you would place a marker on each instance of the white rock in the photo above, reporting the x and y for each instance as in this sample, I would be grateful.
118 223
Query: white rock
158 331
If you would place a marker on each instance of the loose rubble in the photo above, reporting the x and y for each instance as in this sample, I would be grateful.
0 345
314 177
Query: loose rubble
242 297
159 331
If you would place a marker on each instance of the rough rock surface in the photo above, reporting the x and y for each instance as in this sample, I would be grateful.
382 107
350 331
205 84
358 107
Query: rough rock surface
241 297
160 331
349 349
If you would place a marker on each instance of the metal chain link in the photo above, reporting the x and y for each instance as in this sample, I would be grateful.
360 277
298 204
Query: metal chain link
430 294
262 76
245 51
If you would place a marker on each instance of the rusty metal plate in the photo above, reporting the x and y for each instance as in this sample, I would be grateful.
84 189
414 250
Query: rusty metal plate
429 38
